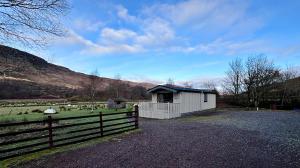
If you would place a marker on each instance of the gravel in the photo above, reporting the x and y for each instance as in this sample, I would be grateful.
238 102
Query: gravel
225 139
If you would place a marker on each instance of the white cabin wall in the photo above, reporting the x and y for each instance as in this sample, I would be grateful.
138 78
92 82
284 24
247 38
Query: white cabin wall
190 102
176 98
211 102
154 98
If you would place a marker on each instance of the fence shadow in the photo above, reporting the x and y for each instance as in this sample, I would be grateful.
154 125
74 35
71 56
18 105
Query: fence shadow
209 112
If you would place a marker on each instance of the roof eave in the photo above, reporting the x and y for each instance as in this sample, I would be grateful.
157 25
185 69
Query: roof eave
161 87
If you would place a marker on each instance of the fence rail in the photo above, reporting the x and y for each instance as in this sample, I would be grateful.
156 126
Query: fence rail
50 132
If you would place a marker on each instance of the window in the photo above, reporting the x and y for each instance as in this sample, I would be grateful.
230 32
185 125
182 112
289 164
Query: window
165 97
205 97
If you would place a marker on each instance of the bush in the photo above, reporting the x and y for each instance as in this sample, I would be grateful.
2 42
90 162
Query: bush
26 112
62 108
37 111
130 106
111 104
83 107
19 113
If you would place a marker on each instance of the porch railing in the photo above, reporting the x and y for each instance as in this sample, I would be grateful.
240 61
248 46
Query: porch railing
159 110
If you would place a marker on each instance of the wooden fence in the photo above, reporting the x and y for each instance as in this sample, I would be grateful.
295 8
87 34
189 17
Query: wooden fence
55 132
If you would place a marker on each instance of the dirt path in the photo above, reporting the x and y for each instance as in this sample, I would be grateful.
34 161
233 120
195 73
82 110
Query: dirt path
233 139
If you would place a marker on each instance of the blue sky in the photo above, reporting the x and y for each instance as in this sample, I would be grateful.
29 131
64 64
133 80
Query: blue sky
190 40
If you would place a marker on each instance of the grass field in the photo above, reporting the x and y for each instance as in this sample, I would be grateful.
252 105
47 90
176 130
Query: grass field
26 113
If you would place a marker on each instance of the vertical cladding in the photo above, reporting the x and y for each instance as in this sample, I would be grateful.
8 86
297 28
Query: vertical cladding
211 102
154 98
195 102
190 102
176 98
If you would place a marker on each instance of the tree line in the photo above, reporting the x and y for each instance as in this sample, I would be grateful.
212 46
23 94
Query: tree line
258 82
117 89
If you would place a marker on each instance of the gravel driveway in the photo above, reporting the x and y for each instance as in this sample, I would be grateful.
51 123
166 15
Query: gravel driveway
224 139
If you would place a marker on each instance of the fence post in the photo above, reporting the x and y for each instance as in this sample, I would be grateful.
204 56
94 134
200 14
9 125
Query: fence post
136 110
50 131
168 110
101 123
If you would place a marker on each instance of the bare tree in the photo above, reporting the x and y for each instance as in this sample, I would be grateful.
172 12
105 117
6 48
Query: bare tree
286 75
117 85
30 22
209 85
260 81
234 77
138 92
260 74
188 85
170 81
92 87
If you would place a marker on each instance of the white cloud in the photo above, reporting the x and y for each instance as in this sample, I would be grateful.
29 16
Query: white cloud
182 12
122 48
127 41
90 47
198 82
290 50
167 27
156 29
201 13
144 79
88 25
220 46
157 32
122 13
109 35
124 40
72 38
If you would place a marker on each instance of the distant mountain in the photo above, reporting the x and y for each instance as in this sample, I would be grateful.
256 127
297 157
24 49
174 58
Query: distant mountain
23 75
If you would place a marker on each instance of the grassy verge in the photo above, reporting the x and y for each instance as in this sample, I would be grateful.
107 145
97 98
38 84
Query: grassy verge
17 160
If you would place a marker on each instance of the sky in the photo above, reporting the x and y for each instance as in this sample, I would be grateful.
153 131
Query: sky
186 40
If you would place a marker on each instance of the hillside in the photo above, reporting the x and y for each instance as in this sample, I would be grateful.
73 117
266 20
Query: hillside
29 76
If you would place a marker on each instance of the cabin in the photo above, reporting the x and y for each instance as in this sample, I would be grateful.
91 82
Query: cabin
169 101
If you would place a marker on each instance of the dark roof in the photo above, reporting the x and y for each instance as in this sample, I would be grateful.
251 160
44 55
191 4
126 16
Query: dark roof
120 99
176 89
